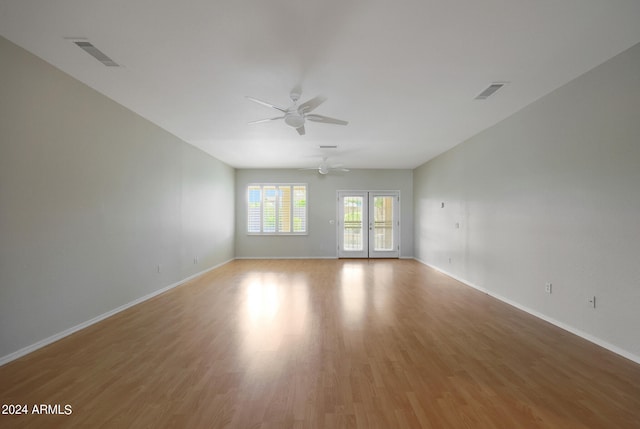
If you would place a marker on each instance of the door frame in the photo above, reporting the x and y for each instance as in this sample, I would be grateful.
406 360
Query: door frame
368 237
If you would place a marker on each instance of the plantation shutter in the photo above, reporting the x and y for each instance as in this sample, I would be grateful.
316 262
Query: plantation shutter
284 209
299 209
255 209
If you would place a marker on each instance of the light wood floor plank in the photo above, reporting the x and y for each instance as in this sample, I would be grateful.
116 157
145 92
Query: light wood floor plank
324 344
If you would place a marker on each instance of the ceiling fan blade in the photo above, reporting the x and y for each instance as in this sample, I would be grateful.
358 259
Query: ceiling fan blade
309 105
264 103
265 120
300 130
325 119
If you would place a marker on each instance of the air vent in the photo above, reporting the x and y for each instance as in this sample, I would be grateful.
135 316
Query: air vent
328 147
97 54
491 89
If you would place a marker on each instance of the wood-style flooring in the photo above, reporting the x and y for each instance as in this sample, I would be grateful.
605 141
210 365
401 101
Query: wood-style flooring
324 344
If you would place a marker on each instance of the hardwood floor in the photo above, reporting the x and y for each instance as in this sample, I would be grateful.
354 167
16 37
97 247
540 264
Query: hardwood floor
324 344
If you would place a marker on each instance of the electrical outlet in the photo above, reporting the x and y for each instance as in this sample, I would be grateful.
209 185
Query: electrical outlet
592 302
159 268
547 287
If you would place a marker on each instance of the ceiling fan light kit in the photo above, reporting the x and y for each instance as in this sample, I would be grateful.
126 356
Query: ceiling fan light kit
294 120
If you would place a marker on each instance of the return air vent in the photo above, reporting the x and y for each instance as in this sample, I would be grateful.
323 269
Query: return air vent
490 90
97 54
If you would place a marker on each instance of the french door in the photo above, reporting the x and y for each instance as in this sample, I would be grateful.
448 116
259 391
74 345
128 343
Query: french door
368 224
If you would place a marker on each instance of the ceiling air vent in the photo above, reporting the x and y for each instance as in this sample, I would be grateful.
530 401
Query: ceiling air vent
490 90
97 54
328 147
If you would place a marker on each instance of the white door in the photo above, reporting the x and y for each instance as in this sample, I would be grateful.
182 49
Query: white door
368 224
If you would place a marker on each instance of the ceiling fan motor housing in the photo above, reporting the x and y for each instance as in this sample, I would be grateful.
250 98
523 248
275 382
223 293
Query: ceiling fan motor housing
295 94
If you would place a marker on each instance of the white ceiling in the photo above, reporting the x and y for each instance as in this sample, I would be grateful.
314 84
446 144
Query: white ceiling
404 73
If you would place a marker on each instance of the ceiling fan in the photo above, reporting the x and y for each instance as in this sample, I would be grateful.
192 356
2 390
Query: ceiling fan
296 115
325 168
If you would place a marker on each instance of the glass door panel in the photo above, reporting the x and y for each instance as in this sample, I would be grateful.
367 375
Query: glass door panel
353 236
383 223
353 227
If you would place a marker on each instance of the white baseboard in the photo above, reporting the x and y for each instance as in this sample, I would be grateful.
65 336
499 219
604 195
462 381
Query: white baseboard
307 257
284 257
615 349
45 342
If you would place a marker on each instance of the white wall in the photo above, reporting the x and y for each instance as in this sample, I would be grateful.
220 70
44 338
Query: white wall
92 199
551 194
321 241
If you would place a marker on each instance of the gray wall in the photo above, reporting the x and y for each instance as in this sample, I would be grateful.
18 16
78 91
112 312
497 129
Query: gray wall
321 241
92 199
551 194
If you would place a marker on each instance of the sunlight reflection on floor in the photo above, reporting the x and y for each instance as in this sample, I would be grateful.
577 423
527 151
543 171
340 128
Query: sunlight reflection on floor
274 317
353 292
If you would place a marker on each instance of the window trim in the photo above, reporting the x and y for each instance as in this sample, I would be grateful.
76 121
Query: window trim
262 185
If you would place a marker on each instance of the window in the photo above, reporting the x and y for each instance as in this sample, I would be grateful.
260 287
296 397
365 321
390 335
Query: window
277 209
